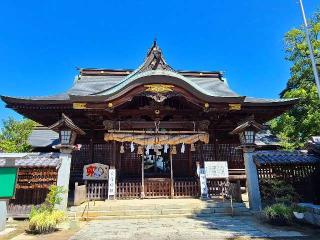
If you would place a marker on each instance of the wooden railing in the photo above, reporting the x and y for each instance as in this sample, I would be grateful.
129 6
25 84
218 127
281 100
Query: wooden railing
128 189
157 187
186 188
304 178
97 191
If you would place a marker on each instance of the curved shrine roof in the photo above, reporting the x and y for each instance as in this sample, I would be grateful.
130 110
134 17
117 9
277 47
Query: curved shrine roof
106 84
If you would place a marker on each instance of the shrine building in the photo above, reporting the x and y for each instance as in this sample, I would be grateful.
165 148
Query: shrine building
154 125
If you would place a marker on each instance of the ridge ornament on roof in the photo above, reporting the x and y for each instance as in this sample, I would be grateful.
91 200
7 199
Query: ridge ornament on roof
155 60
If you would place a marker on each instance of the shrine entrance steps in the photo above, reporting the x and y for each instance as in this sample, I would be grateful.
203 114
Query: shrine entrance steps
156 208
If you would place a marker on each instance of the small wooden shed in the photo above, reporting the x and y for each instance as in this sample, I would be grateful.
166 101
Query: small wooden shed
37 172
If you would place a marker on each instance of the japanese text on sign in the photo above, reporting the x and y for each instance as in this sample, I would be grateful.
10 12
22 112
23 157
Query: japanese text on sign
217 169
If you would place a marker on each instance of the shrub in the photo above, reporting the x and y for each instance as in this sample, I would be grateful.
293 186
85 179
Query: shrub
45 218
277 191
278 214
46 221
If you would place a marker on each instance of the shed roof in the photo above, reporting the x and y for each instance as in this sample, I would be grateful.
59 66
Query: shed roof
279 157
31 159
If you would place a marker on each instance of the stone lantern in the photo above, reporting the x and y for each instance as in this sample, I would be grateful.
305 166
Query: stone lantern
68 132
247 132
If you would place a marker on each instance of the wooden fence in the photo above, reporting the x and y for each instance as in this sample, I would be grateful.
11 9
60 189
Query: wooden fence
128 189
187 188
159 188
97 190
303 177
154 188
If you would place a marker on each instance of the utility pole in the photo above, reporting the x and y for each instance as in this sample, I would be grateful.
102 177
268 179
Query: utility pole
313 61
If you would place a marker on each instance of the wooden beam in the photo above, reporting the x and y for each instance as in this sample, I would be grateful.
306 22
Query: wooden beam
125 125
153 132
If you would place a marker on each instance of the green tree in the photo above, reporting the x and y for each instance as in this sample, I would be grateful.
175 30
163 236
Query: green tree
296 126
14 135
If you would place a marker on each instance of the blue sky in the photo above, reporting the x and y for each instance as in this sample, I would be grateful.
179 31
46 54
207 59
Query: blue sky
42 42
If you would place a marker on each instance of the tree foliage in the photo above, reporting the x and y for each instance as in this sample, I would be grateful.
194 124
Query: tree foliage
14 135
296 126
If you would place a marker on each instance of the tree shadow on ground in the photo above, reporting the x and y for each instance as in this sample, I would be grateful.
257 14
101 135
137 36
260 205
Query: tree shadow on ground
217 215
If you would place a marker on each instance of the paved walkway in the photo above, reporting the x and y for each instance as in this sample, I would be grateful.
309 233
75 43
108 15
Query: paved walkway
180 229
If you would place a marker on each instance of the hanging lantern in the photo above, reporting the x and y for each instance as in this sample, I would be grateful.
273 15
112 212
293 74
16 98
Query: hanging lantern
122 148
131 147
140 150
174 150
192 147
183 148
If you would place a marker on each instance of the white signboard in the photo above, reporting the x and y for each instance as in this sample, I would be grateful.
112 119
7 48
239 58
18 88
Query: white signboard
216 169
203 183
95 171
112 184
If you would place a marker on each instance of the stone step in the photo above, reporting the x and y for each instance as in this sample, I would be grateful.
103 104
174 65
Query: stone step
156 216
106 206
148 208
106 217
145 213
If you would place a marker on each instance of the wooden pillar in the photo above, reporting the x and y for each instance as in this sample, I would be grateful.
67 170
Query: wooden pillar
142 176
171 177
91 145
191 173
216 146
201 155
114 154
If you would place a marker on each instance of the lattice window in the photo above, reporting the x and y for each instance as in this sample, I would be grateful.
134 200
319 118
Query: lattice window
130 162
102 153
230 153
205 151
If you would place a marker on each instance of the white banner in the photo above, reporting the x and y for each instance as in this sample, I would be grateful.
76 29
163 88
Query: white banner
95 171
203 183
112 183
216 169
